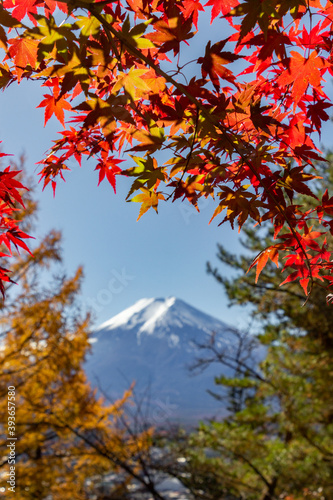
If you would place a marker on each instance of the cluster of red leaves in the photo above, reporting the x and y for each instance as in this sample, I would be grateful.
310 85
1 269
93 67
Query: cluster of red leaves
10 234
241 132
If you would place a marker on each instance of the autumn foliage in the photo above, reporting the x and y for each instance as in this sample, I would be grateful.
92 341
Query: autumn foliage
66 436
11 235
238 122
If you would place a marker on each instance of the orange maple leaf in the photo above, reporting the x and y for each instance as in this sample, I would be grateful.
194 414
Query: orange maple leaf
149 199
262 258
23 51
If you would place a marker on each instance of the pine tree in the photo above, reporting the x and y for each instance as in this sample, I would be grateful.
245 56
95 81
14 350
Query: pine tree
277 443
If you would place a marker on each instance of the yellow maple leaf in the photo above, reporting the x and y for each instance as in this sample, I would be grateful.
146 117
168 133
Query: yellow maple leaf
132 82
149 199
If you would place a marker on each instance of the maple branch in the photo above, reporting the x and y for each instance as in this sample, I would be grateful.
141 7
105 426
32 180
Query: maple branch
192 145
109 37
189 154
207 114
118 34
215 121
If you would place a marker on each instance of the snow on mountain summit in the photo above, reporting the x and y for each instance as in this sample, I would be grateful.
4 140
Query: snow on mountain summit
149 315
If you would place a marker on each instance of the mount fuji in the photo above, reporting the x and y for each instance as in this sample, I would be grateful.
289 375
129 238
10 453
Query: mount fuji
154 342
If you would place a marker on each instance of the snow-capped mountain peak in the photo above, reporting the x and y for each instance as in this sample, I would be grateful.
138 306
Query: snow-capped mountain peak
154 342
167 314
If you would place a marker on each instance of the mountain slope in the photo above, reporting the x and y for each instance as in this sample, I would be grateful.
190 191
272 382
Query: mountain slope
153 343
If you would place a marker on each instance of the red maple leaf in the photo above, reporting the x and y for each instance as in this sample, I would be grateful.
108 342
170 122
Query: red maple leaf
22 8
4 277
191 8
301 73
213 63
317 114
9 187
326 206
29 8
54 106
50 6
223 6
170 32
110 169
270 42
